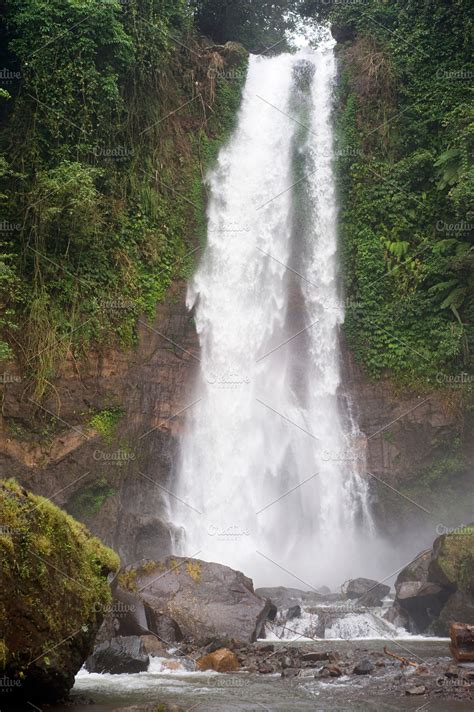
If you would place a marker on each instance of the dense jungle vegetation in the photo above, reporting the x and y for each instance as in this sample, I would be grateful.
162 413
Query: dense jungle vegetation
405 156
110 113
108 120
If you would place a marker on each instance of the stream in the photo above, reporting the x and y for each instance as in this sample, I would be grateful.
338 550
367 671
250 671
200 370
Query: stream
244 692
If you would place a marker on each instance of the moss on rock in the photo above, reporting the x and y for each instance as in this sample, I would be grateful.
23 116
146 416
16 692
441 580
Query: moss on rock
53 595
452 562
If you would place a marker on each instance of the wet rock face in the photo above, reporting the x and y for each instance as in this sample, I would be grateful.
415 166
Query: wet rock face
118 656
162 707
437 587
112 484
202 600
408 444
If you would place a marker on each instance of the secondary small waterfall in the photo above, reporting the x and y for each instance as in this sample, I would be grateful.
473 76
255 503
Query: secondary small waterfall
271 471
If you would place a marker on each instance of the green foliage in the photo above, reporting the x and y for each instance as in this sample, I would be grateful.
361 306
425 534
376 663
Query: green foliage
90 499
99 171
106 423
406 172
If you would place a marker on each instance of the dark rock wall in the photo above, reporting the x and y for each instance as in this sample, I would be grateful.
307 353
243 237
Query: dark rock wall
419 452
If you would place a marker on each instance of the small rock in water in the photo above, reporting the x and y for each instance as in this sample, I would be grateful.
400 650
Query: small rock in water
315 657
422 670
290 672
307 672
373 591
217 644
222 660
452 672
294 612
364 667
324 590
418 690
330 671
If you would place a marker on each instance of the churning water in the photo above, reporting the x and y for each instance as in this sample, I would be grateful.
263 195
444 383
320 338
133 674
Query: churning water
271 473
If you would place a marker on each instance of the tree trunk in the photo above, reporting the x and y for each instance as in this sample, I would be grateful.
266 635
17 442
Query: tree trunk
462 642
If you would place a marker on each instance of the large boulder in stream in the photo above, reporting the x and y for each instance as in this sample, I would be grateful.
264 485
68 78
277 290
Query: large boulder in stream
367 591
53 595
197 600
437 587
288 603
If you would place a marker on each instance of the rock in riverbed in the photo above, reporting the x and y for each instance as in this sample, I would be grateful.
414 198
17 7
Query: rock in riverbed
364 667
222 660
369 592
201 600
119 655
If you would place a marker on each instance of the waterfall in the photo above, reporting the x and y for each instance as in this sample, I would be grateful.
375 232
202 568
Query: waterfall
271 469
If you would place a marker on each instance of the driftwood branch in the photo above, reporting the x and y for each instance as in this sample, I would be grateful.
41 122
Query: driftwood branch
404 661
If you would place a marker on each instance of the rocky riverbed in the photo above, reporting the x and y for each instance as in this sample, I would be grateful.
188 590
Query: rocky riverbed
178 627
342 675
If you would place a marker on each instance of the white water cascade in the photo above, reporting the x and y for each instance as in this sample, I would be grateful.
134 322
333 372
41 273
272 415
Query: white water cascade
271 472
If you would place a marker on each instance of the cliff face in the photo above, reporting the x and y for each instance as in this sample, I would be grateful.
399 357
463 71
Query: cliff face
117 481
114 481
418 450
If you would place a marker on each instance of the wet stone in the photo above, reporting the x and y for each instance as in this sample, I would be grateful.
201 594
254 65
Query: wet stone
364 667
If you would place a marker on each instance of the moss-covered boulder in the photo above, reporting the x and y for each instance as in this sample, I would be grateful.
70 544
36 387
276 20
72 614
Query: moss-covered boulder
437 588
54 589
452 560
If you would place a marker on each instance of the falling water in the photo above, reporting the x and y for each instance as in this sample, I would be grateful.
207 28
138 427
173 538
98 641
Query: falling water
271 473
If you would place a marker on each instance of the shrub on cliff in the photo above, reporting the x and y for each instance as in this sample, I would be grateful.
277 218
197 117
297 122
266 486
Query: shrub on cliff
53 594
